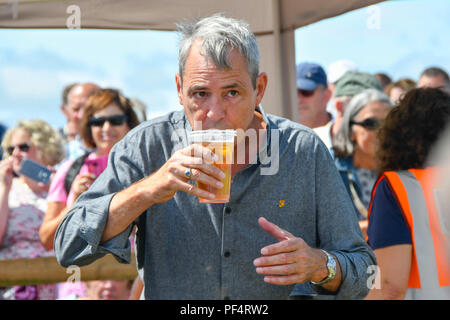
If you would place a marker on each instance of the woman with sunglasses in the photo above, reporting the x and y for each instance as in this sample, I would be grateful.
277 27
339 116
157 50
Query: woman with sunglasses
23 200
354 146
107 118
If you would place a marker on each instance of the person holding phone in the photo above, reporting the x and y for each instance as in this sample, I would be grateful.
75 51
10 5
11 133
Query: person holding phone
107 118
23 200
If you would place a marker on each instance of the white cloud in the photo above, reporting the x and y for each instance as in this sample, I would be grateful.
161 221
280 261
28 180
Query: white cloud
23 82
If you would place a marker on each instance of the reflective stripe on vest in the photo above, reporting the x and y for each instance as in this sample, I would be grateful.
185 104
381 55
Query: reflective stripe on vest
430 264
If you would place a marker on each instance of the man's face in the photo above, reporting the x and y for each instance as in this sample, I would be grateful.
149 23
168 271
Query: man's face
312 104
75 105
218 98
431 82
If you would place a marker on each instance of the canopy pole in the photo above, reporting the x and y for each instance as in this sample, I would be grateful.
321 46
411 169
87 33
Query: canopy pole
278 61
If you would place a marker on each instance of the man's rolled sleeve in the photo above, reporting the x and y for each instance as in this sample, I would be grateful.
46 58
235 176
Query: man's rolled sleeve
78 237
354 283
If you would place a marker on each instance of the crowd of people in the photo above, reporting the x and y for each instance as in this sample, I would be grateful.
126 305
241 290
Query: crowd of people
380 139
354 174
97 118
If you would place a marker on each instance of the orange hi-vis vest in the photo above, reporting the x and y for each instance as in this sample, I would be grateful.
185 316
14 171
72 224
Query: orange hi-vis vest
427 214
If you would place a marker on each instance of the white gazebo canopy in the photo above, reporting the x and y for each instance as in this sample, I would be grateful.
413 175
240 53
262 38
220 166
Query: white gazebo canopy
273 22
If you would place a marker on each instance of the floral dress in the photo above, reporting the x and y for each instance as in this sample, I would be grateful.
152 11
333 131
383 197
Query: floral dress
21 240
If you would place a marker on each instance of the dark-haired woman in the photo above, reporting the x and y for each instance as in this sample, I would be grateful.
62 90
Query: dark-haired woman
407 228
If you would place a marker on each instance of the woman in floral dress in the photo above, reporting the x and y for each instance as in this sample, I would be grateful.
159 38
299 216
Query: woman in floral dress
23 200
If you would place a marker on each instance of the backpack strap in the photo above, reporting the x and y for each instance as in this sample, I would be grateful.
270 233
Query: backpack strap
73 171
355 197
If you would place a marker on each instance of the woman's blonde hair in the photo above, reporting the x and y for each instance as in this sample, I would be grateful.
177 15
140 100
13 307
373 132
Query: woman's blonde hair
47 140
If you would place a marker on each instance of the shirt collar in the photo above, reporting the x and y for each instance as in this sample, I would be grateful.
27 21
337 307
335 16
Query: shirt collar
265 143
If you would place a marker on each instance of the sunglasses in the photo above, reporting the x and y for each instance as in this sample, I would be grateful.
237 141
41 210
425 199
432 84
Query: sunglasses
113 120
305 93
24 147
369 123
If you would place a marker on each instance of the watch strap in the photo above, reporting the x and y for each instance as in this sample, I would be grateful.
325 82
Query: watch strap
331 266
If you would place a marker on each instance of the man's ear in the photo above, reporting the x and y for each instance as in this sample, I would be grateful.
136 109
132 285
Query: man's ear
64 111
339 107
261 85
179 88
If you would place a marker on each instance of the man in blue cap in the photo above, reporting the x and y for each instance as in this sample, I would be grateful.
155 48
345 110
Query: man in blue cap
313 95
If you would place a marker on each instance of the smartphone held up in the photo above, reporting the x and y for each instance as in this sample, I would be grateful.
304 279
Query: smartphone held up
35 171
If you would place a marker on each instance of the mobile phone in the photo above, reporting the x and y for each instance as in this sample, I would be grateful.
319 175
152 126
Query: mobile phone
35 171
96 166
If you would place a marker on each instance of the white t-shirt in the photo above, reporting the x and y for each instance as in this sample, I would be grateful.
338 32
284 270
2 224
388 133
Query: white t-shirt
324 133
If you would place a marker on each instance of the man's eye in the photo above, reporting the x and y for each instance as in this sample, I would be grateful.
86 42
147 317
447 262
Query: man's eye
200 94
232 93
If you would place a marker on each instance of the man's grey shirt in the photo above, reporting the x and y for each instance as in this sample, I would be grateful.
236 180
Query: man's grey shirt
188 250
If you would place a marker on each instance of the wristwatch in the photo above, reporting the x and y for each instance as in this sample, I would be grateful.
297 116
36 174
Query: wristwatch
331 266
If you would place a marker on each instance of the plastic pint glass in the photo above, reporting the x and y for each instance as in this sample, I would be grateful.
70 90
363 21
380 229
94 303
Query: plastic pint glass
221 142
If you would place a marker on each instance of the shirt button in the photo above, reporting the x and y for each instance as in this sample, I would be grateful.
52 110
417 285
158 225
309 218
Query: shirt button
226 254
227 210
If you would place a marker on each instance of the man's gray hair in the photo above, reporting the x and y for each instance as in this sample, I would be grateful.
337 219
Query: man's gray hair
343 145
219 35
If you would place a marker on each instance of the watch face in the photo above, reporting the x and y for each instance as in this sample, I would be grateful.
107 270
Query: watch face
331 273
331 266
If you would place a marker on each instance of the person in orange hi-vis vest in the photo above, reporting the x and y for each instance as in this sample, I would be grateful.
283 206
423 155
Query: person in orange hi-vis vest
409 221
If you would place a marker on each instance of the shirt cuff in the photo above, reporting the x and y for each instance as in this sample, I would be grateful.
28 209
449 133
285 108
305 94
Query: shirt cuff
348 288
91 230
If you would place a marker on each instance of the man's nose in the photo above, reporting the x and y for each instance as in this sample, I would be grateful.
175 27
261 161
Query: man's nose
216 109
79 114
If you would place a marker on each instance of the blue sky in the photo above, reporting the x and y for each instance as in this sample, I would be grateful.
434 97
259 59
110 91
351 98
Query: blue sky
35 65
400 38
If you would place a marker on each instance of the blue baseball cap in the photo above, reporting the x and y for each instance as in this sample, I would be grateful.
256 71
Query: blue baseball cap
309 75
